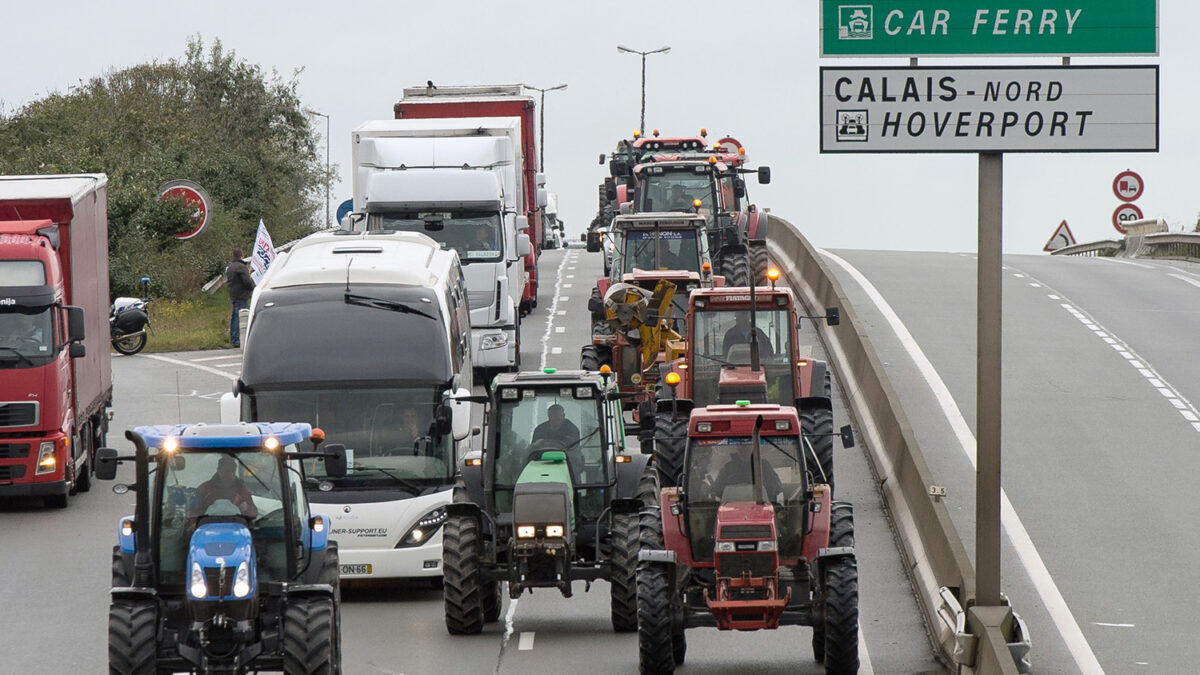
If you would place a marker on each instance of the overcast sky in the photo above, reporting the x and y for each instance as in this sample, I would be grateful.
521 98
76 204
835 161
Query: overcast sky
747 69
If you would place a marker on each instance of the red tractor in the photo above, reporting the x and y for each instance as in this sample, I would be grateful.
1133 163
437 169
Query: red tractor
749 541
744 343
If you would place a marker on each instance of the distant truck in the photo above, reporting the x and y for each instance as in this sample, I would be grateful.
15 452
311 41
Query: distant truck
458 181
493 101
55 364
366 337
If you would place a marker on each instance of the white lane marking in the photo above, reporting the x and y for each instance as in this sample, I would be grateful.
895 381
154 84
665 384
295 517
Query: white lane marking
865 667
562 312
556 350
1125 262
567 285
526 642
560 329
508 619
189 364
1019 276
570 276
552 311
1036 285
1187 279
1113 625
1052 599
215 358
1053 297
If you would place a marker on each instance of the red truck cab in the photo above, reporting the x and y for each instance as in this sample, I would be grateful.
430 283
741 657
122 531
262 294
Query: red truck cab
55 368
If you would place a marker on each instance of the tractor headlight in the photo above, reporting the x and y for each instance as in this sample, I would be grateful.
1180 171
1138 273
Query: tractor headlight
198 587
766 545
526 531
241 582
46 460
424 528
724 547
554 530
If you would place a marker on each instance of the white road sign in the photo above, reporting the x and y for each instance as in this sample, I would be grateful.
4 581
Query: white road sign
985 109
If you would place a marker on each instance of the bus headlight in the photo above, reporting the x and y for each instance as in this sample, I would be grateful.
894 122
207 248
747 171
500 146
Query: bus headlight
424 528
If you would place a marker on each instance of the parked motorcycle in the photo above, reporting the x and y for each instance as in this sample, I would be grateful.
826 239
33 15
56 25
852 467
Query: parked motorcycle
129 322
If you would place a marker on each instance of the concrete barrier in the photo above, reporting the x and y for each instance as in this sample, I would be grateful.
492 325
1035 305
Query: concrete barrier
928 539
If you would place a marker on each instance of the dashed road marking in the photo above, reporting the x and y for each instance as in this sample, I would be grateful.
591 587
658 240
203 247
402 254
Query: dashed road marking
526 642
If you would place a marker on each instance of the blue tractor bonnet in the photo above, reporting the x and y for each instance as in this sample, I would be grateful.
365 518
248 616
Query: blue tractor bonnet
240 435
219 548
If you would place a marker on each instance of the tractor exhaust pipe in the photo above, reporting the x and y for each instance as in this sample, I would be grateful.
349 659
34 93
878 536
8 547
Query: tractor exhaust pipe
756 463
755 364
143 565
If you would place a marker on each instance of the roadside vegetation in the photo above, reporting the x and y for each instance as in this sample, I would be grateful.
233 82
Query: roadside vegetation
237 130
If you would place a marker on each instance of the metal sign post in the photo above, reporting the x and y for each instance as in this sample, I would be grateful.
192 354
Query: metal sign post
987 378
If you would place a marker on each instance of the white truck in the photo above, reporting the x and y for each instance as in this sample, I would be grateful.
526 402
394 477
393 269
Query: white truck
364 336
457 180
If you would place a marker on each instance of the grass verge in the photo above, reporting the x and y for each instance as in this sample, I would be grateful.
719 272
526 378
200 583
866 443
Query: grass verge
190 324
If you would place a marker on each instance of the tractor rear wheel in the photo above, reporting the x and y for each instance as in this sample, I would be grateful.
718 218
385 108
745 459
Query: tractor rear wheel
132 645
599 301
589 358
492 603
647 488
120 574
460 570
735 268
670 437
623 573
819 421
308 626
758 262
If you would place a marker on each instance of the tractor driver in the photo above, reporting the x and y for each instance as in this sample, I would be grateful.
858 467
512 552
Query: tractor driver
736 471
740 333
678 200
225 484
557 432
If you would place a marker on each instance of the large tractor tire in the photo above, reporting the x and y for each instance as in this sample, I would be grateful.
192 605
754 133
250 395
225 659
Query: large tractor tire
830 625
589 358
329 575
308 637
596 316
132 645
460 570
492 602
735 268
670 437
656 650
819 421
120 573
647 488
758 262
623 573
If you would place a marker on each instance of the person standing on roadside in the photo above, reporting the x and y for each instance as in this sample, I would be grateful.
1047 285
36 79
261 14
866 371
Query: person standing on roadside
241 285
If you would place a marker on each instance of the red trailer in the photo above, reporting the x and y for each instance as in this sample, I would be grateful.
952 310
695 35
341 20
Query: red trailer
493 101
55 367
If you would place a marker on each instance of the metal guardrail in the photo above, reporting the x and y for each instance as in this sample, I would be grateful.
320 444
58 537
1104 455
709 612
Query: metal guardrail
1166 245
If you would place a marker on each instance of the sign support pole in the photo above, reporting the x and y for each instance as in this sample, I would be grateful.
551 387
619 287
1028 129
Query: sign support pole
987 379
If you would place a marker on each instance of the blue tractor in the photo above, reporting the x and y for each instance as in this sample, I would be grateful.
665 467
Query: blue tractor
223 568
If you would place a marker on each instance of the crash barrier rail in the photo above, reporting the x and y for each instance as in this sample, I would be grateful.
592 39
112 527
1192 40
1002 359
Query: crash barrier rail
940 570
1146 238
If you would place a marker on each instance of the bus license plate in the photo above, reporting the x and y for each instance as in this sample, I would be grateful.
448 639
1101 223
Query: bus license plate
354 569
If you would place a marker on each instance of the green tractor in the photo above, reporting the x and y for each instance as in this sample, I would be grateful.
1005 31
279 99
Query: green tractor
553 498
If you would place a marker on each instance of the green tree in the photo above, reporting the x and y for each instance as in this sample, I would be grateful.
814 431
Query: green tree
210 117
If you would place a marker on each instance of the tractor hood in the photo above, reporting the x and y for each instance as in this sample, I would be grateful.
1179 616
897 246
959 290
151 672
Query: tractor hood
220 555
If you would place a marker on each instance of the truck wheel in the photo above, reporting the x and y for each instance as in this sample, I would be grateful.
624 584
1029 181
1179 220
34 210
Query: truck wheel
460 570
308 637
670 437
758 262
623 575
491 601
83 474
735 269
818 421
130 345
655 645
132 649
589 358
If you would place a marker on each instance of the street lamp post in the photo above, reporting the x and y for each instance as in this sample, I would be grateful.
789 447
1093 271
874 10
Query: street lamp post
328 178
660 50
542 122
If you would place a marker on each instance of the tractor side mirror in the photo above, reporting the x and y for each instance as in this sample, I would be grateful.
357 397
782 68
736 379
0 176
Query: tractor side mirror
832 316
74 324
178 463
847 435
764 175
602 158
739 188
106 464
593 242
335 460
610 191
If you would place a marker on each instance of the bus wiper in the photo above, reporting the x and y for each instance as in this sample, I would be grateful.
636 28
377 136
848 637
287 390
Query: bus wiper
18 354
390 305
406 484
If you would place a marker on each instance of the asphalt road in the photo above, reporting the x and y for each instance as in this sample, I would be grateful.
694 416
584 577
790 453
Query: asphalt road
56 602
1100 434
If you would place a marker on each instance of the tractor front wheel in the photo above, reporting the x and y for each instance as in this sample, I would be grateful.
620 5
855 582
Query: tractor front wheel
492 604
656 652
132 646
329 575
308 626
460 570
623 574
735 268
670 437
835 635
758 262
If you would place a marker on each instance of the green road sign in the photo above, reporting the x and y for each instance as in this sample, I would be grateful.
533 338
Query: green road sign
986 28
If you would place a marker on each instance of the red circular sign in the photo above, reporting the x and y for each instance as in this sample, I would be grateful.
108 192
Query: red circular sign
1128 186
1126 213
196 197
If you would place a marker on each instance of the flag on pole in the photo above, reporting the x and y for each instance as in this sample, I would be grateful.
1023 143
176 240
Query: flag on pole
264 253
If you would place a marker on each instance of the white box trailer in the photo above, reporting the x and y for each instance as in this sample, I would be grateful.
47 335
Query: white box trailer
457 180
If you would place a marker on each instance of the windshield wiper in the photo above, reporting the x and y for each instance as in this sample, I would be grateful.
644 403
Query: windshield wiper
390 305
18 354
405 483
713 358
768 441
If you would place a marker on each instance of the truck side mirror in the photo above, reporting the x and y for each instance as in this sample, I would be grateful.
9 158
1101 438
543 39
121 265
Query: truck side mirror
522 223
593 241
74 323
106 464
335 460
524 248
539 179
764 175
231 408
542 199
77 350
832 316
